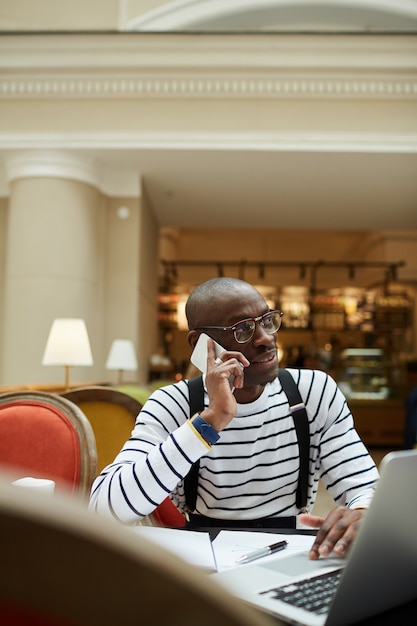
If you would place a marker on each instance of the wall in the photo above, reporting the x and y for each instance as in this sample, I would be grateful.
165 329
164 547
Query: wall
130 280
121 273
147 289
294 246
3 218
46 15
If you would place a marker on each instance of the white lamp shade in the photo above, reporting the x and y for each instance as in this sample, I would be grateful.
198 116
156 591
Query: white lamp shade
68 343
122 356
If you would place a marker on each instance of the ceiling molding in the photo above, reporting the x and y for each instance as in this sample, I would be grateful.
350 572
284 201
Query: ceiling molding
169 66
308 141
52 164
56 161
95 158
129 53
298 164
216 87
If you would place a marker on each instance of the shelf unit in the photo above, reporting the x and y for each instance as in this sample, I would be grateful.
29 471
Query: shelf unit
168 310
366 312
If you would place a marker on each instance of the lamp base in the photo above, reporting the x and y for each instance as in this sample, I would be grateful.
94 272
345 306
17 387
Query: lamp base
67 376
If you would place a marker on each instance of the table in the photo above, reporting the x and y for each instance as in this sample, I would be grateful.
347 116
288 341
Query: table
398 615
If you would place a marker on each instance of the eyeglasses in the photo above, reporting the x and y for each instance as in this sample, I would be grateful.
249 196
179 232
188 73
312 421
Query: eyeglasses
244 330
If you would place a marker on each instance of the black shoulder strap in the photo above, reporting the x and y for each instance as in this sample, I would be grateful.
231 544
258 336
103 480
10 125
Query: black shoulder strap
289 386
299 414
196 390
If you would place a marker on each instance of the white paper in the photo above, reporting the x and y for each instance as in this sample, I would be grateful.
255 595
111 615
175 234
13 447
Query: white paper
229 545
191 546
37 484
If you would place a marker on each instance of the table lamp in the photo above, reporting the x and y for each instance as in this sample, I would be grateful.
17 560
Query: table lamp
122 356
67 345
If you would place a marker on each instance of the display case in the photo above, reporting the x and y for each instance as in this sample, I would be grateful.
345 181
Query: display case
371 384
364 374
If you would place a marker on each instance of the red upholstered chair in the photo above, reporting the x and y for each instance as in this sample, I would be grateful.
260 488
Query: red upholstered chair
167 514
45 436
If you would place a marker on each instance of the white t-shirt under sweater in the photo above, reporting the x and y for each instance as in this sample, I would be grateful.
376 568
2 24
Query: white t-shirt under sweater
252 471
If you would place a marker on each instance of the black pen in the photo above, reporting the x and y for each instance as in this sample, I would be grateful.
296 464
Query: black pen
258 554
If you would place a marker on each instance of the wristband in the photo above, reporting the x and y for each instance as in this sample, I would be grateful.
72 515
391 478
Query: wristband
206 430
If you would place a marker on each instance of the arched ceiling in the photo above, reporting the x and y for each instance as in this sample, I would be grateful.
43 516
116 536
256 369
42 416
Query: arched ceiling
279 16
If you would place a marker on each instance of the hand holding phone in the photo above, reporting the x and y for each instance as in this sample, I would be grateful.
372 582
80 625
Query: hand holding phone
199 354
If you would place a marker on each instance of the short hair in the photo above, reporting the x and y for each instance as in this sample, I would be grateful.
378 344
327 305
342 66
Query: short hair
203 300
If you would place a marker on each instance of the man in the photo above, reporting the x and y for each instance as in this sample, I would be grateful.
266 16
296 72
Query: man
248 451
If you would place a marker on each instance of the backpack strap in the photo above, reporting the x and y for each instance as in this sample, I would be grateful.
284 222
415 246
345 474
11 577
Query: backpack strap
299 414
196 391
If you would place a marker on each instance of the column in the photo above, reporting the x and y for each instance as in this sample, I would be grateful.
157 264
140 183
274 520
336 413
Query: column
54 260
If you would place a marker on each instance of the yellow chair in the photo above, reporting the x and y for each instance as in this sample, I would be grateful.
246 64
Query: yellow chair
45 436
65 565
112 415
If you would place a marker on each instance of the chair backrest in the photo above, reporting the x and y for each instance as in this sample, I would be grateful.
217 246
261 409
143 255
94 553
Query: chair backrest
45 436
167 514
112 415
69 566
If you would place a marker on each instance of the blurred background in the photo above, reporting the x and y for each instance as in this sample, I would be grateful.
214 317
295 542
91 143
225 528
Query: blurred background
146 146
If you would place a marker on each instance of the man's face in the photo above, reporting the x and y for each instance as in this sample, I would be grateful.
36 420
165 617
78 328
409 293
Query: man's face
260 350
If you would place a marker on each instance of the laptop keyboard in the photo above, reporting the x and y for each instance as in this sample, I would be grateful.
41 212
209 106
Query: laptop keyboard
314 594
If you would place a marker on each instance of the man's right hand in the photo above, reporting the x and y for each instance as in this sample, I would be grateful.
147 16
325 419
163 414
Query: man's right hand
220 371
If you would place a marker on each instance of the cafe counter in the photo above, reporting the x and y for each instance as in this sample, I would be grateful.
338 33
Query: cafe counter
379 422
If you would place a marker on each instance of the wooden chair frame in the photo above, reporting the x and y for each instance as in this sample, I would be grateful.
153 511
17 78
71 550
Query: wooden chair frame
99 393
103 424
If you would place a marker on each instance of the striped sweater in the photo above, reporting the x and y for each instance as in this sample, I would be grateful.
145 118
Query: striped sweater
252 471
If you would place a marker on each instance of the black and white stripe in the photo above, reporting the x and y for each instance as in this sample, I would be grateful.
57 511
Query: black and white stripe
252 471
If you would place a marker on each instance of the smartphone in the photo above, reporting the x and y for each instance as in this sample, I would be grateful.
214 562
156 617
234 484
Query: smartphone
199 354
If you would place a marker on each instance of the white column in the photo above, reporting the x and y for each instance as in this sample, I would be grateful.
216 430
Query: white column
54 260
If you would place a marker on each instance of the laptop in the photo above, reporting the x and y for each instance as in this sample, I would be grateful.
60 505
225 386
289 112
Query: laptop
379 573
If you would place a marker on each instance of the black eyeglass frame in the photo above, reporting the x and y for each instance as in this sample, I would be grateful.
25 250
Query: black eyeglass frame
258 319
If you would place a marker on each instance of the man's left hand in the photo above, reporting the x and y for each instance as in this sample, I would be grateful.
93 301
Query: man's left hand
335 532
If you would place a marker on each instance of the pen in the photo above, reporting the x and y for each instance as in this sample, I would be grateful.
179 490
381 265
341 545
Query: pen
258 554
